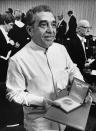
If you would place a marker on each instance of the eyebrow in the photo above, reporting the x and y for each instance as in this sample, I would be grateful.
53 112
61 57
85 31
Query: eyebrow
45 21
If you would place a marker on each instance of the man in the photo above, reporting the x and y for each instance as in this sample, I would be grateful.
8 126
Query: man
72 25
76 46
61 30
39 70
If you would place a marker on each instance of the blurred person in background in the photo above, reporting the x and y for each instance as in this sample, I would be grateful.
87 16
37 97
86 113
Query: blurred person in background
72 24
18 33
61 30
76 46
9 112
6 44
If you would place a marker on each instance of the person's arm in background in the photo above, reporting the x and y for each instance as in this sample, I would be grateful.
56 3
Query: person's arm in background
7 57
8 49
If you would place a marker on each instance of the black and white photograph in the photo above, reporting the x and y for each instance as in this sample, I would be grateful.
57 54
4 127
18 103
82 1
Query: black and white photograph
44 46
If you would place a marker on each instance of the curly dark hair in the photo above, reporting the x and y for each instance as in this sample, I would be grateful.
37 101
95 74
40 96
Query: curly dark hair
31 12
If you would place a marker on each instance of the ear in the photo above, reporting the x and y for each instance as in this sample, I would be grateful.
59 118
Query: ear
29 30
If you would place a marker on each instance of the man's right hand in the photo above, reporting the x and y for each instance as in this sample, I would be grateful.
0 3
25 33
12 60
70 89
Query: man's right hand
49 102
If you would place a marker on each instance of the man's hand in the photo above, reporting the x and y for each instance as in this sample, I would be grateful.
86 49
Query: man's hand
88 98
17 45
11 42
89 62
48 103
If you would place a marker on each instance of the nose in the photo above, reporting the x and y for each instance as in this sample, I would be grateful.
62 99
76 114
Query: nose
50 28
88 29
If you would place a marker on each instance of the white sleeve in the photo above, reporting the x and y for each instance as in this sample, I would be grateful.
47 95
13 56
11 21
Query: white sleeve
16 87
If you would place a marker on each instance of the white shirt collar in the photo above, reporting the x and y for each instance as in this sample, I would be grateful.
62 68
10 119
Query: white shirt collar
60 22
81 38
36 47
19 23
82 41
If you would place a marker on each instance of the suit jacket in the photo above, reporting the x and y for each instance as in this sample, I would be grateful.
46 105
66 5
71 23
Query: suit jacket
72 27
72 23
76 52
61 30
19 35
62 27
4 47
10 112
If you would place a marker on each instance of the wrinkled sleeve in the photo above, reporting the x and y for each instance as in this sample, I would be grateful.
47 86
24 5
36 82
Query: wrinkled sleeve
16 87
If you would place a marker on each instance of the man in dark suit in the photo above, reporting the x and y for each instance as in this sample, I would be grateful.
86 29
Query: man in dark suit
61 30
76 46
77 52
72 25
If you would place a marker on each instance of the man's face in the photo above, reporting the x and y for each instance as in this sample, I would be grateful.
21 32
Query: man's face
44 30
69 15
84 31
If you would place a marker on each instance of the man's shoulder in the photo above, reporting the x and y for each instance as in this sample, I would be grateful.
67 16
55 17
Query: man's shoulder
58 46
21 53
55 44
73 18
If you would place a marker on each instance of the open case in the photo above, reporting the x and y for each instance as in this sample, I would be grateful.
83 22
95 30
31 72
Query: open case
76 96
